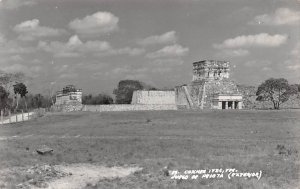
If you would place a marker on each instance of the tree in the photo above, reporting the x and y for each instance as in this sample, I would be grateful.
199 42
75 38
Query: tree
19 89
4 98
38 100
99 99
277 91
125 90
7 80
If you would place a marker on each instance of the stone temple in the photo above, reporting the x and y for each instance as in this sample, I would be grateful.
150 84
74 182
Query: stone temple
68 99
211 88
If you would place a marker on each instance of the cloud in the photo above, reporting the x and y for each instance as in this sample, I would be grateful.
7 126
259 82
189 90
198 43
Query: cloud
293 63
75 48
15 4
169 51
9 47
257 63
2 38
282 16
258 40
130 51
233 53
95 24
168 61
168 37
127 72
68 76
296 51
32 71
31 29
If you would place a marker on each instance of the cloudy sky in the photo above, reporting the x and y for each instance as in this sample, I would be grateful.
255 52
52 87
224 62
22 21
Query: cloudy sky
96 43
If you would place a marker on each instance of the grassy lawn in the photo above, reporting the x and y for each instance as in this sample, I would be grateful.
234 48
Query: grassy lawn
248 141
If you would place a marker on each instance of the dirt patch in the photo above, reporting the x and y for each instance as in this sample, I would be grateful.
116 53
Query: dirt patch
83 174
67 176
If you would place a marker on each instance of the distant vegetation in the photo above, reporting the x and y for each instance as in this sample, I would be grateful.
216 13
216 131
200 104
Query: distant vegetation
14 95
271 92
125 89
277 91
95 100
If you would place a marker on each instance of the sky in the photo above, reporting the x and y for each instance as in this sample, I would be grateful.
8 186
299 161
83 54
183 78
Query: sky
94 44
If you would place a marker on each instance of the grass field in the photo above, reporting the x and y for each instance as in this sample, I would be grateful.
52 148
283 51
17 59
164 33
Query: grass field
248 141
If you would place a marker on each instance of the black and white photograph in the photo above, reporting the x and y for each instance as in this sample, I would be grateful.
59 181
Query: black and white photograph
150 94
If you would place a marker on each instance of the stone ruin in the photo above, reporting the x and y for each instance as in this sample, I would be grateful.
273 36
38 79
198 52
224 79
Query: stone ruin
211 88
153 97
69 99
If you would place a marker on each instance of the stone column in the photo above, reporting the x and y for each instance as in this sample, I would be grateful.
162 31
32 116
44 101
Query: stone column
226 105
240 105
220 105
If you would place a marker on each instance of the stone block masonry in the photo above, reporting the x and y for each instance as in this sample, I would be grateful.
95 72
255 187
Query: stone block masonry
211 88
153 97
127 107
69 99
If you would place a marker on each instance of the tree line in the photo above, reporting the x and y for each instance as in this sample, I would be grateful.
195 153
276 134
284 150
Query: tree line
14 95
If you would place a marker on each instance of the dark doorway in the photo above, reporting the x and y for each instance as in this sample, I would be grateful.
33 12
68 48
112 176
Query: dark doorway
230 105
223 105
236 105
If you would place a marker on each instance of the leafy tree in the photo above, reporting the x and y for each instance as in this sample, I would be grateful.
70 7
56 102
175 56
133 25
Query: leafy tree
296 86
4 99
20 89
277 91
7 80
125 90
99 99
38 101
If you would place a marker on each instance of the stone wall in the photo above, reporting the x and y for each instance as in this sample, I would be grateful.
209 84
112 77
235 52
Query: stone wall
182 101
69 97
127 107
200 94
212 87
153 97
70 107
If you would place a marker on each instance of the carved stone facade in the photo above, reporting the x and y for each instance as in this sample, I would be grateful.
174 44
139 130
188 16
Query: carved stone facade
210 69
210 88
69 99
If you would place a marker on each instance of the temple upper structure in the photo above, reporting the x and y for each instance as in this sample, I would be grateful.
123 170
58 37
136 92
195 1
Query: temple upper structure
68 95
210 69
211 88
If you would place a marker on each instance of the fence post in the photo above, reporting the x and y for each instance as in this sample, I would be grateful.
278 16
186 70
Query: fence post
22 115
1 116
9 114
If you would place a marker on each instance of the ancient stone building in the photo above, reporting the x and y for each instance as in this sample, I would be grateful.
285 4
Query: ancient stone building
211 88
68 99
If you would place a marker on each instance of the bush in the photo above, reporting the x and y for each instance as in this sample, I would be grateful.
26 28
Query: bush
125 90
95 100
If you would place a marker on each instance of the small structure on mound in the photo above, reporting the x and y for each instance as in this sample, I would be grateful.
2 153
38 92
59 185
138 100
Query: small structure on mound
68 99
211 88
